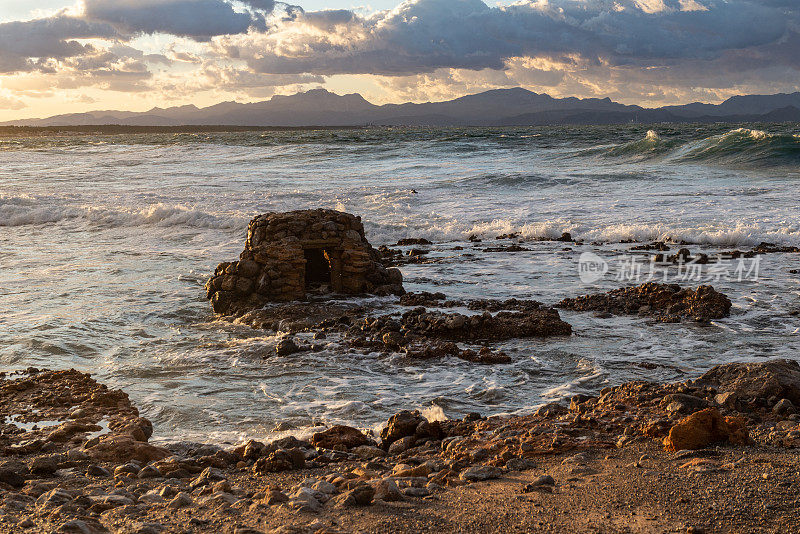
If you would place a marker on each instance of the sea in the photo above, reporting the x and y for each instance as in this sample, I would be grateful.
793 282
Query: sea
106 242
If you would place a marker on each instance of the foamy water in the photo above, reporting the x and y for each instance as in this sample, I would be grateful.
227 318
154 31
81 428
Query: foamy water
105 243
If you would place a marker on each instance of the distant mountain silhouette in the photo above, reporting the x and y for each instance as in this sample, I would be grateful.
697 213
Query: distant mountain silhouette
500 107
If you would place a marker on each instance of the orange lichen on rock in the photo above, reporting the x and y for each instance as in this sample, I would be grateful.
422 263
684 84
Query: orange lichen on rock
705 427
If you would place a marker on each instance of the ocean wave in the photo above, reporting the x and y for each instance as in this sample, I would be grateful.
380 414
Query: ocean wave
739 147
738 235
24 211
744 146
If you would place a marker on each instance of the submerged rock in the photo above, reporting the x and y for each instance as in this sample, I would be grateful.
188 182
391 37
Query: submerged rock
288 255
669 303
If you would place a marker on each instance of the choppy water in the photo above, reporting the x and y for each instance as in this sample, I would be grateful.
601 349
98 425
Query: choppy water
105 243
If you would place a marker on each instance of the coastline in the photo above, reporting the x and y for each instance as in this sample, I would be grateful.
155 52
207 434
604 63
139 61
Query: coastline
606 458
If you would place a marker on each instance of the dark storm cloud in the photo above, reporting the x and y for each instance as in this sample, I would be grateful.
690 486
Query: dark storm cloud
25 46
198 19
424 35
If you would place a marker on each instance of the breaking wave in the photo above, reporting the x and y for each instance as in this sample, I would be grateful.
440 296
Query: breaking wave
739 147
744 146
26 211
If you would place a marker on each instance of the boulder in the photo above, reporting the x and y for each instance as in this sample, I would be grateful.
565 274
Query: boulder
704 428
778 379
122 448
400 425
341 436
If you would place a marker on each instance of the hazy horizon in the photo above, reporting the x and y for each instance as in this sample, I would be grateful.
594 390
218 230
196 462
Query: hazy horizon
72 56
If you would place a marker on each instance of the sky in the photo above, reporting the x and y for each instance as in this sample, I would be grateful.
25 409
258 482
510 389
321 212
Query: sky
68 56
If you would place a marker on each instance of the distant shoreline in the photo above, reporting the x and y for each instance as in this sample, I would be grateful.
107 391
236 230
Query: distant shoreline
120 129
116 129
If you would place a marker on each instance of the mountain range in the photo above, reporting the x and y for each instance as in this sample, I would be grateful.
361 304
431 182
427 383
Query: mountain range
500 107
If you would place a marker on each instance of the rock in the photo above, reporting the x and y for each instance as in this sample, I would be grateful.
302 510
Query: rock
276 497
305 500
682 403
65 431
400 425
286 347
53 498
150 471
480 472
401 445
368 452
386 490
412 241
344 436
12 478
207 477
289 254
667 302
783 407
129 468
44 465
520 464
181 500
361 495
117 449
703 428
80 527
544 480
552 410
280 460
416 492
779 378
149 528
97 471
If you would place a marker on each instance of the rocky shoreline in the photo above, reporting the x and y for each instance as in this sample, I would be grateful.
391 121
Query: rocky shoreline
711 454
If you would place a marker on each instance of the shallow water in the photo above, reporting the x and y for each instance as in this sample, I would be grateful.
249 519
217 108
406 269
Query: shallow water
106 241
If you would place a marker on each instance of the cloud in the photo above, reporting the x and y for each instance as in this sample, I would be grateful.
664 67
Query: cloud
198 19
424 35
26 46
11 103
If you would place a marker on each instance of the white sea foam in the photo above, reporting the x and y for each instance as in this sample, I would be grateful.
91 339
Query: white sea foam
21 211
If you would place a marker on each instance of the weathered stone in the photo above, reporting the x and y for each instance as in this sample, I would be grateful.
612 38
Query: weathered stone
181 500
386 490
12 478
668 302
340 435
400 425
779 378
361 495
287 346
289 254
480 472
123 448
703 428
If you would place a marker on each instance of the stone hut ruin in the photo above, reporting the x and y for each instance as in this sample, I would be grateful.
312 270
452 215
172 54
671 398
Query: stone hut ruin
291 255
